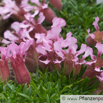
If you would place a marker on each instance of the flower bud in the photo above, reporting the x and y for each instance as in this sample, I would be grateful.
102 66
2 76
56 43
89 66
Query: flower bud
49 14
18 2
56 4
20 70
31 64
90 73
90 41
40 29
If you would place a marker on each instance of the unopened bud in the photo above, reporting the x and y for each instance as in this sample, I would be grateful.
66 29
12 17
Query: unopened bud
90 41
56 4
49 14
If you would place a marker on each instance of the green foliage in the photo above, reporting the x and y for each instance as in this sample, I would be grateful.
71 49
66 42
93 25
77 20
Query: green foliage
46 87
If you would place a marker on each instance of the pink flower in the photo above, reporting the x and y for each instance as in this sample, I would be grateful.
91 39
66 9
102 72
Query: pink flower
93 66
40 7
33 24
11 9
8 9
10 36
20 34
17 61
46 49
95 37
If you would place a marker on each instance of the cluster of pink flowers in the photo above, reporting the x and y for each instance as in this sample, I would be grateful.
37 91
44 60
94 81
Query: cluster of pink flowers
21 50
37 46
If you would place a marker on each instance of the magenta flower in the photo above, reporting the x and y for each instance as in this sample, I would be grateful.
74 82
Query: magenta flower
17 58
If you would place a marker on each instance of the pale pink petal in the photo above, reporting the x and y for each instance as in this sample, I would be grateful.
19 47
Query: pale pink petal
47 45
35 1
82 50
40 37
25 35
88 31
12 48
10 36
16 26
6 16
45 62
58 22
60 54
40 49
4 10
25 46
95 23
26 6
92 35
44 6
55 33
90 62
64 44
88 51
57 46
71 40
41 18
99 48
57 61
22 25
6 41
35 13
